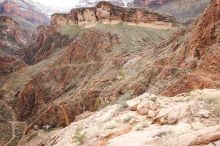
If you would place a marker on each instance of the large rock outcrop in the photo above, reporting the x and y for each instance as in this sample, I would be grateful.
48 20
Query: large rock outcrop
106 12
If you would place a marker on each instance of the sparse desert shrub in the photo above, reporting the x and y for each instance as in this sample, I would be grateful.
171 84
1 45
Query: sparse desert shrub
127 96
79 135
5 134
73 30
141 125
127 118
214 101
163 134
5 113
154 99
123 98
111 125
122 74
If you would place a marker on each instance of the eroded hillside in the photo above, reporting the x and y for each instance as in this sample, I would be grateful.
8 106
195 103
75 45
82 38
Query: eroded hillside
81 64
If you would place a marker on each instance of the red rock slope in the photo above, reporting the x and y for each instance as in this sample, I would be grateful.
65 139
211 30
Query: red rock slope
94 71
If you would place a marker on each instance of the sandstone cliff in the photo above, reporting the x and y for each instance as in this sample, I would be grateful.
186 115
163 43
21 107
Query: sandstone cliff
106 12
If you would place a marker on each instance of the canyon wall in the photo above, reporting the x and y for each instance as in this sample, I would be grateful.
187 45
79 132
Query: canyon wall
12 44
105 12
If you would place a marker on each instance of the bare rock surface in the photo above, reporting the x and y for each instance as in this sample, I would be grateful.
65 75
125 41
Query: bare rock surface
116 125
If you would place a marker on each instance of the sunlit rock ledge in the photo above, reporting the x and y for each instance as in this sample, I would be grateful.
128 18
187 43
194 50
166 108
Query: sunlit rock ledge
106 13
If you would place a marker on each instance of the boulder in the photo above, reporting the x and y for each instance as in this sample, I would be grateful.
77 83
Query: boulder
173 113
148 108
132 104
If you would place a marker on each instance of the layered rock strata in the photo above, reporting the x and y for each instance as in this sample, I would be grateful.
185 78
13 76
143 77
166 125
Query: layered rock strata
105 12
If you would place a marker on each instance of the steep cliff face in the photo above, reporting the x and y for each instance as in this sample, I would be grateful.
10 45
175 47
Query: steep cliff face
187 61
196 55
23 10
67 74
12 45
46 42
106 12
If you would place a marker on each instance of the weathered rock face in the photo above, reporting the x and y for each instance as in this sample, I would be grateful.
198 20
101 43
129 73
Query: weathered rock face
106 12
80 61
88 73
29 14
10 30
185 120
9 64
46 42
197 55
12 44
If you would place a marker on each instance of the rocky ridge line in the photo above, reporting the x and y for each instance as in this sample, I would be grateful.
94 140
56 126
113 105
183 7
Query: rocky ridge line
105 12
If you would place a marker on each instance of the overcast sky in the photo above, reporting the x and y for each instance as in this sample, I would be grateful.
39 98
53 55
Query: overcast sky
58 3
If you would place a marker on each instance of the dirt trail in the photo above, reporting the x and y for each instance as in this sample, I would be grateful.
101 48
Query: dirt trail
13 123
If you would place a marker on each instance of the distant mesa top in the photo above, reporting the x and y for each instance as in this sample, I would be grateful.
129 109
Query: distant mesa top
105 12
